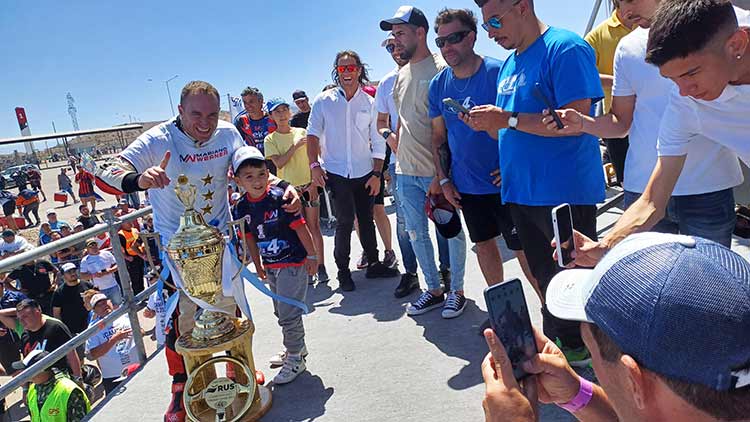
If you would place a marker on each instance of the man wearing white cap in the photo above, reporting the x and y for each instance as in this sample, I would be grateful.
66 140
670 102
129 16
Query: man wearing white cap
112 347
666 319
67 301
54 223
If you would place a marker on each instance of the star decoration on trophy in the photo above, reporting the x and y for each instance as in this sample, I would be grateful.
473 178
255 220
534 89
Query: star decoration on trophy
207 180
208 196
207 209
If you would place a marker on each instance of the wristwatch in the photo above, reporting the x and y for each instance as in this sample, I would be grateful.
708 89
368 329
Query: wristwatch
377 174
513 121
386 134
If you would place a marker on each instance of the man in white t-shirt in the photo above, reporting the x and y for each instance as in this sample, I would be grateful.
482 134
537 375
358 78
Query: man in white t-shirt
639 98
100 267
702 46
12 244
197 144
156 307
112 347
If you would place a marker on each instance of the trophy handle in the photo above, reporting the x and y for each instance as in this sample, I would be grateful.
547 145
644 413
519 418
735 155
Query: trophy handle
145 238
240 224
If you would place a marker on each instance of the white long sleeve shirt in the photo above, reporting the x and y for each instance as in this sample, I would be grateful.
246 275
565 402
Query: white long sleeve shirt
348 132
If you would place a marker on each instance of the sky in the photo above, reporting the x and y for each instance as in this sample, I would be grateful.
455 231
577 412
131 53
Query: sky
114 57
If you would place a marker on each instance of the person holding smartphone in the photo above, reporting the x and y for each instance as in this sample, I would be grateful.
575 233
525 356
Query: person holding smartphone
689 364
541 170
467 180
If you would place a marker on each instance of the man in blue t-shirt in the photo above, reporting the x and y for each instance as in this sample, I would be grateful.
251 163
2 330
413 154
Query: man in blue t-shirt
465 159
541 171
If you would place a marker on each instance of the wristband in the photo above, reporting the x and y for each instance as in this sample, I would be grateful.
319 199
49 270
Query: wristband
315 257
582 399
314 165
444 181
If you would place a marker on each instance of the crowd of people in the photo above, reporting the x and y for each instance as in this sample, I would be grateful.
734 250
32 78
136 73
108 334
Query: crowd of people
671 77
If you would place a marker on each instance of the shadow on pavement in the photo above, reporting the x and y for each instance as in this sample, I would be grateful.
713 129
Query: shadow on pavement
372 296
302 400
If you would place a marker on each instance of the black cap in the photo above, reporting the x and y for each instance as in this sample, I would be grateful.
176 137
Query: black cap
33 357
406 15
296 95
8 233
27 303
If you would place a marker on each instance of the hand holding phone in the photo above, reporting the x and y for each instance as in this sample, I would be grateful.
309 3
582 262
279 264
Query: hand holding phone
539 94
450 102
509 317
562 223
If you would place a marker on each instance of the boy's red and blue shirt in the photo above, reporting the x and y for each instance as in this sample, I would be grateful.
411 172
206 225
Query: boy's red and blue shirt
272 228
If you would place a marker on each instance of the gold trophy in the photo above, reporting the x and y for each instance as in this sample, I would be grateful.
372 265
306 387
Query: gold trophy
218 338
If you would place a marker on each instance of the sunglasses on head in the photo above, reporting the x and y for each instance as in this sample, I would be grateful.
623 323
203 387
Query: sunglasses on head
390 48
496 21
347 68
453 38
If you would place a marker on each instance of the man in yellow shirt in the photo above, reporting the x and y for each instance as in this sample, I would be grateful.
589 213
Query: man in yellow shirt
287 148
604 39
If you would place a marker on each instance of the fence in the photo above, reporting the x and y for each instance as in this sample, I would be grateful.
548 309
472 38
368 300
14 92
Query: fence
130 306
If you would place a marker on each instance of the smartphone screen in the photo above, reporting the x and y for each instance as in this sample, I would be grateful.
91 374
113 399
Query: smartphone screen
562 220
510 320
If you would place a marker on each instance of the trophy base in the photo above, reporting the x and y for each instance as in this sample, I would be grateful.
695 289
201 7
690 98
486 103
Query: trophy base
213 396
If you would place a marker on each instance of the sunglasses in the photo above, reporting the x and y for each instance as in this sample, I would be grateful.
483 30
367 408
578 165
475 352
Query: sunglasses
390 48
496 21
347 68
453 38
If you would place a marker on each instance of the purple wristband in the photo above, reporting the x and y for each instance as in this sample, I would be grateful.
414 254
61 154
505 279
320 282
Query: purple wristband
582 399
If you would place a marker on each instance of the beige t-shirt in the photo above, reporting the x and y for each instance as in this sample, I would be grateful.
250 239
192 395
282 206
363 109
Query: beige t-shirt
410 93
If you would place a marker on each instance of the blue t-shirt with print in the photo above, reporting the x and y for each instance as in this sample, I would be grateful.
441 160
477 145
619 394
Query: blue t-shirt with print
539 170
473 154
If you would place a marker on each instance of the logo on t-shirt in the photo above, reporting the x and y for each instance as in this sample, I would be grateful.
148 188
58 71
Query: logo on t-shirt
508 85
467 102
204 156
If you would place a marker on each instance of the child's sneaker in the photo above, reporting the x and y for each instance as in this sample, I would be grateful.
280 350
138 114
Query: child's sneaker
278 359
293 366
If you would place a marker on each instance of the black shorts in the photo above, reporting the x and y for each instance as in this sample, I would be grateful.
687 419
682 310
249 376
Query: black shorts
380 198
9 207
486 218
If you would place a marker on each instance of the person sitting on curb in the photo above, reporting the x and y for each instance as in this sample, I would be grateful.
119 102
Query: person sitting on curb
690 362
52 396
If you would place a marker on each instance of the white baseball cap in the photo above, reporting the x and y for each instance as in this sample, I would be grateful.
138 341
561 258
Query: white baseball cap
68 266
97 298
245 153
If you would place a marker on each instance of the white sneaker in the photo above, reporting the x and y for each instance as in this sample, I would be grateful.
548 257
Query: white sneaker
293 366
279 358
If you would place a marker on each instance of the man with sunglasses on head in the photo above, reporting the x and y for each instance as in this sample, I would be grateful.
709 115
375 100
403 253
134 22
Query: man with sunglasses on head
388 123
541 170
465 159
416 170
342 131
300 118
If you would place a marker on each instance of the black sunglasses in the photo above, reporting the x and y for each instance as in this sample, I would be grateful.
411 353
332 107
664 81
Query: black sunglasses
390 48
453 38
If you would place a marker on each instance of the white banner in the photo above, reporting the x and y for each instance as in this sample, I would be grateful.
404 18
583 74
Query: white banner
236 108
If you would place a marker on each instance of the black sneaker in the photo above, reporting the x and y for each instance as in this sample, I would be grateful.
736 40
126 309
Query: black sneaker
378 270
345 281
445 279
323 274
485 325
389 259
409 283
454 305
426 302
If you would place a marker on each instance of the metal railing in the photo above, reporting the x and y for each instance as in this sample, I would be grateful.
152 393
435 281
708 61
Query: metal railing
130 306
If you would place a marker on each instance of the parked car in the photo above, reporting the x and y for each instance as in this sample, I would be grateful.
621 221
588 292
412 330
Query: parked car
8 173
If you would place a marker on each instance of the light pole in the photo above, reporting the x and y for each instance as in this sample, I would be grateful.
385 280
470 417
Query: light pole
169 94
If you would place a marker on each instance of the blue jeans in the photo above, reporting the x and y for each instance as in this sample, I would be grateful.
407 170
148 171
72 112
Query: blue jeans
407 252
69 190
707 215
414 191
114 294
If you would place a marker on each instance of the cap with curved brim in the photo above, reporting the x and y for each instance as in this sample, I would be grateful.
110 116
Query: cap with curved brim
567 294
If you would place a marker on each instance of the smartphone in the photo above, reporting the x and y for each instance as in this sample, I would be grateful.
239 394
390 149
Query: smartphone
450 102
509 317
562 223
539 94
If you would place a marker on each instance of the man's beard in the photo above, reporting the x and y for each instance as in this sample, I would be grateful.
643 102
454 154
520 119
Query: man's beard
408 53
